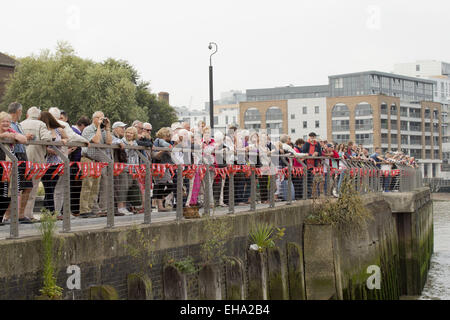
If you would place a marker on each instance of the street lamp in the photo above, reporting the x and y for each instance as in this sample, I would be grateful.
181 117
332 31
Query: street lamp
211 98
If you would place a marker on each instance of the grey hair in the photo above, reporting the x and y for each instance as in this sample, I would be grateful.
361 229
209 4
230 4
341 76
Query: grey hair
146 124
135 122
14 107
96 112
54 111
34 112
284 138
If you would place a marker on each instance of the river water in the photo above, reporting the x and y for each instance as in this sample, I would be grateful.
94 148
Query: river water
438 281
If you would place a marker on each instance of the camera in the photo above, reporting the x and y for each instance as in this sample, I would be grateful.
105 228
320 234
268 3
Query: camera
104 123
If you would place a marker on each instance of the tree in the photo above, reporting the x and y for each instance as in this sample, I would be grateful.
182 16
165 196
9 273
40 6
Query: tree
81 87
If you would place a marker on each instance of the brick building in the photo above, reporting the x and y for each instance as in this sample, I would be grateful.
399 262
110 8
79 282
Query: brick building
7 66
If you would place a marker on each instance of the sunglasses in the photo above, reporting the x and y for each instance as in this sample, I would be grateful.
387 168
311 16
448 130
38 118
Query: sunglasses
148 130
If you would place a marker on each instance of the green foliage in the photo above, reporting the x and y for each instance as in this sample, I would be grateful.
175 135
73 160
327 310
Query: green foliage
81 87
186 265
213 249
144 250
47 229
347 210
264 235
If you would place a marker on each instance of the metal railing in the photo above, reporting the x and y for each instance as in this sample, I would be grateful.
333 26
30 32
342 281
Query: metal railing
231 186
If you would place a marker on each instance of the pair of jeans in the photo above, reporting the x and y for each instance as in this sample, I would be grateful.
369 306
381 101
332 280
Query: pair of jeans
284 188
341 178
386 183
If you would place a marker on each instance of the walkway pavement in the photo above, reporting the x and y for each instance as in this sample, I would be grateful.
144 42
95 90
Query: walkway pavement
80 224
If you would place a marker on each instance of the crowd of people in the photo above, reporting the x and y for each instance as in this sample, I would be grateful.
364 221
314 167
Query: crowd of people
175 145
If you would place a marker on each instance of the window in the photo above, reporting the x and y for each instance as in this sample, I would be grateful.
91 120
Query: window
404 140
305 110
393 110
292 130
216 120
363 124
393 124
384 108
417 67
252 114
341 138
340 110
415 139
305 124
340 125
316 109
403 111
415 126
363 109
339 83
384 138
414 113
274 113
293 116
364 138
226 119
317 124
404 125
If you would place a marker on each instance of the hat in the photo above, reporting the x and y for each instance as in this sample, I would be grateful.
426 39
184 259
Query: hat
312 134
176 126
118 124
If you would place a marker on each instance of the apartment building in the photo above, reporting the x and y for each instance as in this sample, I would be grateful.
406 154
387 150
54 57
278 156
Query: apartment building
439 72
386 110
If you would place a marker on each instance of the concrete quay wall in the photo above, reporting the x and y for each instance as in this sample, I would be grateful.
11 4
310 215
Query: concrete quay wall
309 262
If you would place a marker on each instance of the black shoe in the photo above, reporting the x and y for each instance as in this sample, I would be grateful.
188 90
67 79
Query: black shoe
118 214
25 220
87 215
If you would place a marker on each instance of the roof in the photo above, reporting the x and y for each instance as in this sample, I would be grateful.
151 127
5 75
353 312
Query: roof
287 90
386 74
7 61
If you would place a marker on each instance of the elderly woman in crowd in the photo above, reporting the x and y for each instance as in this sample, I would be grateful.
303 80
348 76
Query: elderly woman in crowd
49 180
7 133
163 185
132 158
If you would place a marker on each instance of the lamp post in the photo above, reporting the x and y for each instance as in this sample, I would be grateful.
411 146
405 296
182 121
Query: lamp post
211 96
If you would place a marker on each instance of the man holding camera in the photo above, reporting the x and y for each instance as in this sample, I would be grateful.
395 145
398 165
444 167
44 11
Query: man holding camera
99 132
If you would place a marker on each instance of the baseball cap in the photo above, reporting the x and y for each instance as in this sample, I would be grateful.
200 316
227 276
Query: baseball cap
118 124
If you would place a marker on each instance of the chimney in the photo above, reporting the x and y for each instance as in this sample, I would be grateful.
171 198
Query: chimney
163 96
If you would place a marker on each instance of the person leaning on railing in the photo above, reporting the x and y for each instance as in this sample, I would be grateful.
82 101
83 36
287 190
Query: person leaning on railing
99 132
163 185
120 156
7 132
75 156
312 148
35 153
49 180
71 137
132 158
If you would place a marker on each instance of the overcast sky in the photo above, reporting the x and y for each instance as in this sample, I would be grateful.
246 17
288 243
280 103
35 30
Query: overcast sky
261 43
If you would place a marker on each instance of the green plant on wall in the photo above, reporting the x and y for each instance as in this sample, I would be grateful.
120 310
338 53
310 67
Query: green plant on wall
185 265
347 210
213 249
264 235
47 230
143 252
